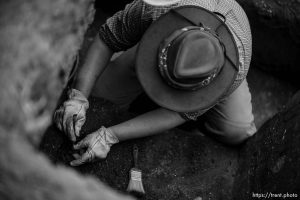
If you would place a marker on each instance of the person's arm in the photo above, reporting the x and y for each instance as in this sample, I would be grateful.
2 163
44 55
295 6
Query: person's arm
70 117
94 64
150 123
98 143
120 32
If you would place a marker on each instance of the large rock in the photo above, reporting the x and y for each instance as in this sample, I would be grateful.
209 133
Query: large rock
275 28
269 163
269 94
39 40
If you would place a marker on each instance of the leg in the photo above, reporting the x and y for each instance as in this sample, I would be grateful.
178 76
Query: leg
118 83
231 121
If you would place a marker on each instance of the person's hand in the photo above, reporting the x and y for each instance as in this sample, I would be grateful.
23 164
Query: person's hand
97 145
70 117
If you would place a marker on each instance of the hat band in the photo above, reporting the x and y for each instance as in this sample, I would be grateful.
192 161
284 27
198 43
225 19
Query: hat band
164 72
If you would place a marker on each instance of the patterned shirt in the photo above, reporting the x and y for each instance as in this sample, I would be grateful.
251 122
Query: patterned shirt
125 29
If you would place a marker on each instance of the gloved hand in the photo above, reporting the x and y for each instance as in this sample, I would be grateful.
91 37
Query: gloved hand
70 117
97 146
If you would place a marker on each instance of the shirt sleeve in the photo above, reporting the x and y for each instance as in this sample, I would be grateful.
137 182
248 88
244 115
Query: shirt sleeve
125 28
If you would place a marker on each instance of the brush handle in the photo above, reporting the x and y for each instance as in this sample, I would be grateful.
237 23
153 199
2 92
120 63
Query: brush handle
74 121
135 155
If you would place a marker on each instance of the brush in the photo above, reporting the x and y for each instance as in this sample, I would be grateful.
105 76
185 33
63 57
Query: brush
135 183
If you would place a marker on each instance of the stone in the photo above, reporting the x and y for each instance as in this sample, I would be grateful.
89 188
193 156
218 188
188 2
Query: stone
275 28
269 94
39 41
269 162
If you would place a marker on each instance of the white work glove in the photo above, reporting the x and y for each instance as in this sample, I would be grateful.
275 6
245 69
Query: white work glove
70 117
97 145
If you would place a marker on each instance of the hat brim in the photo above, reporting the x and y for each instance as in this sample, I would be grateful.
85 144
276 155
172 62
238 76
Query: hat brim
147 59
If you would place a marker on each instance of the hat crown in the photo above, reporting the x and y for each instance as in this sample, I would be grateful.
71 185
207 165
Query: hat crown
193 55
196 54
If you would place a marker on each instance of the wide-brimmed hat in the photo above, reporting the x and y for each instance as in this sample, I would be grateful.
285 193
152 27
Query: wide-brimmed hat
161 2
187 59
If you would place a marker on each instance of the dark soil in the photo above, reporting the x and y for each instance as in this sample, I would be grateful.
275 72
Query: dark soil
175 165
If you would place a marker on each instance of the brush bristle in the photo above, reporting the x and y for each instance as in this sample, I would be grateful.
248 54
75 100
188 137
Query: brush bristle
135 182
